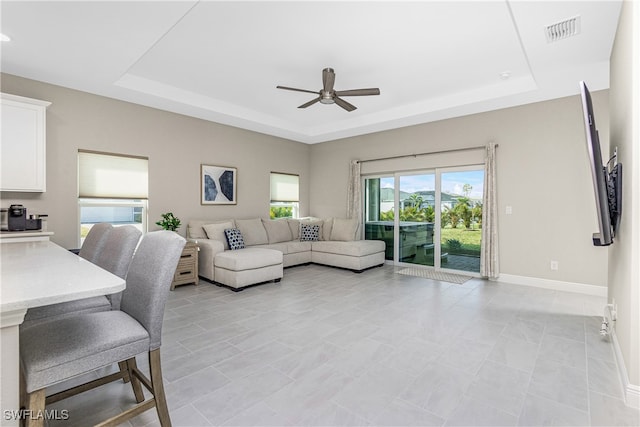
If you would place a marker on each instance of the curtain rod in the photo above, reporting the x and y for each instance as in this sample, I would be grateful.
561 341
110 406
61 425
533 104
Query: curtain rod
424 154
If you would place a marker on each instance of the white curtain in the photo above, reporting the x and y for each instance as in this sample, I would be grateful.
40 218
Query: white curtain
354 196
489 255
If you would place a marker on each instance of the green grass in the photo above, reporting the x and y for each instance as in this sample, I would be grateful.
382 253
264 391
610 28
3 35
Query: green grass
470 239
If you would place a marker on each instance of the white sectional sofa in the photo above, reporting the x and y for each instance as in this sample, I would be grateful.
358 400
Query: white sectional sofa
338 244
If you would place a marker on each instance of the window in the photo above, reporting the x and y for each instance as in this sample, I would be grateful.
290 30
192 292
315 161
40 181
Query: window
112 188
284 195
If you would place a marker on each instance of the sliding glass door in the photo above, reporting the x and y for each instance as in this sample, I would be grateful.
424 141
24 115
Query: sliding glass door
430 218
379 211
416 218
461 218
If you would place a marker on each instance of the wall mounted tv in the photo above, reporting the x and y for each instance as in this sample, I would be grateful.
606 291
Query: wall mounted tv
607 177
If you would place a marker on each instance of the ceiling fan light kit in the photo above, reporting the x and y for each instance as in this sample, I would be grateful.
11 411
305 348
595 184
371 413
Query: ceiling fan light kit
327 95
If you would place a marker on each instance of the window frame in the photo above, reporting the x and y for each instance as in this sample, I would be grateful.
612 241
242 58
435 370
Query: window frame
113 198
113 203
293 204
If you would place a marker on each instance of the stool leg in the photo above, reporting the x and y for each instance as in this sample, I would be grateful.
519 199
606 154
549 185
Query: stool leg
125 371
158 388
23 390
35 405
135 382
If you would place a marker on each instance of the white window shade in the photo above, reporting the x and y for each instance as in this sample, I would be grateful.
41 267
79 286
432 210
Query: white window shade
112 176
284 187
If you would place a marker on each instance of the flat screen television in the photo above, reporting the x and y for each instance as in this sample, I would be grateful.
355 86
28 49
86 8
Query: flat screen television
607 177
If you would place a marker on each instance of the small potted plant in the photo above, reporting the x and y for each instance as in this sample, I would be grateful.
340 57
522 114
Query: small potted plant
169 222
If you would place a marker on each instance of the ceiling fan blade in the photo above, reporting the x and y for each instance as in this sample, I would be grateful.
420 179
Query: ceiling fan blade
359 92
344 104
313 101
328 79
297 90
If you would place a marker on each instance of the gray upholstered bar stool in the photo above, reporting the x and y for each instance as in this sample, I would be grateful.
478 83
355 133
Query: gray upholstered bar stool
116 255
95 240
113 251
59 350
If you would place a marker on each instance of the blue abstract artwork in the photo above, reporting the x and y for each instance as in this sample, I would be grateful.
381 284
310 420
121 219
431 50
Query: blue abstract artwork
218 185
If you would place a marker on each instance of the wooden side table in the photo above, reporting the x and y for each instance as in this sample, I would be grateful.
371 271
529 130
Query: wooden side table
187 270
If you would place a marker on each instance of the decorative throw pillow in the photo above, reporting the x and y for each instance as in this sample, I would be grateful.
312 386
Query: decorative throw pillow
234 238
309 232
315 221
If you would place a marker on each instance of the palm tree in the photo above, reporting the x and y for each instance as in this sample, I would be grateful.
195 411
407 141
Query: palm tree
476 212
466 189
463 210
416 200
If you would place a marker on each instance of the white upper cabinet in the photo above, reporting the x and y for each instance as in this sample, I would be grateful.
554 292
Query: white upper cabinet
23 144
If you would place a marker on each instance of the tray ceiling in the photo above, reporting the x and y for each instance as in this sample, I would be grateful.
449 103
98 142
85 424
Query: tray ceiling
221 61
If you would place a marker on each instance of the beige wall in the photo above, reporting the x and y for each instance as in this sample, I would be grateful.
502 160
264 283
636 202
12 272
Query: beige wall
624 255
543 173
542 169
176 146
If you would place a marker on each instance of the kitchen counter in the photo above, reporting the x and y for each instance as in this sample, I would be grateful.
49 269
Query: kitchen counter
24 236
34 274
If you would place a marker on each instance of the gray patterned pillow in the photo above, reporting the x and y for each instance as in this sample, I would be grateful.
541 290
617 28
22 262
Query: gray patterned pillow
309 232
234 238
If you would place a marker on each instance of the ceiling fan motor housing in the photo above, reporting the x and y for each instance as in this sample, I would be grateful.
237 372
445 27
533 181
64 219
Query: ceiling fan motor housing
326 97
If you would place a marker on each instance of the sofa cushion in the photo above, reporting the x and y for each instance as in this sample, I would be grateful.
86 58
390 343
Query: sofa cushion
277 230
234 238
327 226
355 248
253 231
196 232
195 228
309 232
248 258
294 226
282 247
344 229
295 247
216 232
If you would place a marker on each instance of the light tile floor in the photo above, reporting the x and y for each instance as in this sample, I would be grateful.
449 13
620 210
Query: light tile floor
328 347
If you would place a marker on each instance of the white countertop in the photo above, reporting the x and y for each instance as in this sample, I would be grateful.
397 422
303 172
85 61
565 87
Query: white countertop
29 233
24 236
42 273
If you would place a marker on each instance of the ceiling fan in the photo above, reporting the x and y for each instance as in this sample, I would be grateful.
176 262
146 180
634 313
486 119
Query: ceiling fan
327 95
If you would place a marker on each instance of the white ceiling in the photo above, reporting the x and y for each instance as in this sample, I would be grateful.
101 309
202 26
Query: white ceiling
222 60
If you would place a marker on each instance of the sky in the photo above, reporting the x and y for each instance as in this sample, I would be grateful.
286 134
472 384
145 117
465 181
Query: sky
452 182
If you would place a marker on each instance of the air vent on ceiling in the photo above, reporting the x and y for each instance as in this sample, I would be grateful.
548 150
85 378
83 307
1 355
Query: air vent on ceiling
563 29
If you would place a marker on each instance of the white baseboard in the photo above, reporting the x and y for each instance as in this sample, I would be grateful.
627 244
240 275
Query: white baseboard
557 285
631 391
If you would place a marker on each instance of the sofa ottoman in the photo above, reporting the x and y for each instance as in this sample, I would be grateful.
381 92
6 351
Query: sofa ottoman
249 266
356 255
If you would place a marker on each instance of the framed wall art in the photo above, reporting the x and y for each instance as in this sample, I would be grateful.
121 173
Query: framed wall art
218 185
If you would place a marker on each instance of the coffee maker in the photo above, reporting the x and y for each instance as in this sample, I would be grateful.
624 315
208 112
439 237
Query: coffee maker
17 218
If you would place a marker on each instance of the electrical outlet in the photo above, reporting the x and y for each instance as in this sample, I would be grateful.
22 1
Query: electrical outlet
508 210
554 265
